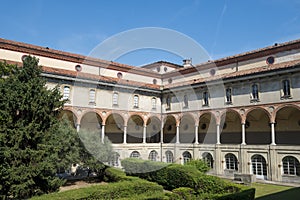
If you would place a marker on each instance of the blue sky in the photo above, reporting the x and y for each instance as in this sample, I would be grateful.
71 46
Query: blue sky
222 27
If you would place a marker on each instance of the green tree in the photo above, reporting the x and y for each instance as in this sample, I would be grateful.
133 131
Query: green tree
201 165
33 142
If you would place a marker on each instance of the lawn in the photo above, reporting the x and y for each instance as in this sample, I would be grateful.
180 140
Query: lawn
275 192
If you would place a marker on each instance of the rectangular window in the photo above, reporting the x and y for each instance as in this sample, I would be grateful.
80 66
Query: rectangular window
135 101
205 98
92 96
115 98
254 93
66 94
168 102
153 101
186 101
228 95
286 89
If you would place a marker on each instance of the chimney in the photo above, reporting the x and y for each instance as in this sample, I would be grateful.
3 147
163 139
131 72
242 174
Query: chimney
187 62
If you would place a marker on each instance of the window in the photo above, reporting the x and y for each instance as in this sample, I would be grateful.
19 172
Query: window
169 157
290 166
153 101
286 89
186 157
205 98
254 92
135 101
168 102
114 160
92 96
115 98
231 161
207 157
228 95
153 155
186 101
66 94
135 154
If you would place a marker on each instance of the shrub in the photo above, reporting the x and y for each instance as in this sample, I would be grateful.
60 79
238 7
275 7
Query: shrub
115 175
184 193
201 165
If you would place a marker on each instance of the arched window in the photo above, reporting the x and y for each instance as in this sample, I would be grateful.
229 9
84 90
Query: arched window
66 94
169 156
291 166
207 157
114 160
92 96
135 154
231 161
186 157
153 155
135 101
115 98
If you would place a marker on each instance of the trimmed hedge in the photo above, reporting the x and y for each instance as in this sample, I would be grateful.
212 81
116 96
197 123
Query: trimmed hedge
137 189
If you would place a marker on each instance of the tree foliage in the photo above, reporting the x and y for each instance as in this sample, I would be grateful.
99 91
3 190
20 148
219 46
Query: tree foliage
33 142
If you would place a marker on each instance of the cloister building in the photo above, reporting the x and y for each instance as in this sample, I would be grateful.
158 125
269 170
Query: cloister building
240 113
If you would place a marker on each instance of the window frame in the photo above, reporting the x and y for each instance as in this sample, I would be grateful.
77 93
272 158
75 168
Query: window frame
228 102
153 156
254 95
288 167
168 102
185 101
136 100
154 103
92 101
169 156
205 98
115 99
283 95
135 154
66 97
231 162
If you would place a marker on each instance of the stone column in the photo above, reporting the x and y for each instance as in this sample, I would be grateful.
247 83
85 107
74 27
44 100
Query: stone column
273 133
196 134
102 133
144 134
77 127
243 134
218 134
125 135
177 135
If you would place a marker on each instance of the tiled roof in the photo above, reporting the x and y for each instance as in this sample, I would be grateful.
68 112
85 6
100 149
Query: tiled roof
99 78
270 68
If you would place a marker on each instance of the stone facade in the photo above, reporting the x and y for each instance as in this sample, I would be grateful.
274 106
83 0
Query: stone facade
240 113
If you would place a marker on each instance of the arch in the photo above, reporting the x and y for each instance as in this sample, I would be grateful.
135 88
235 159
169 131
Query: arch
259 108
114 128
259 166
230 127
169 156
287 127
290 166
187 156
135 154
208 158
153 155
207 128
187 129
70 116
135 127
153 130
231 162
169 129
91 121
258 130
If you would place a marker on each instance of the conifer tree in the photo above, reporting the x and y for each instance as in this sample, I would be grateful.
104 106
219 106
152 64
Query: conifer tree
33 142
